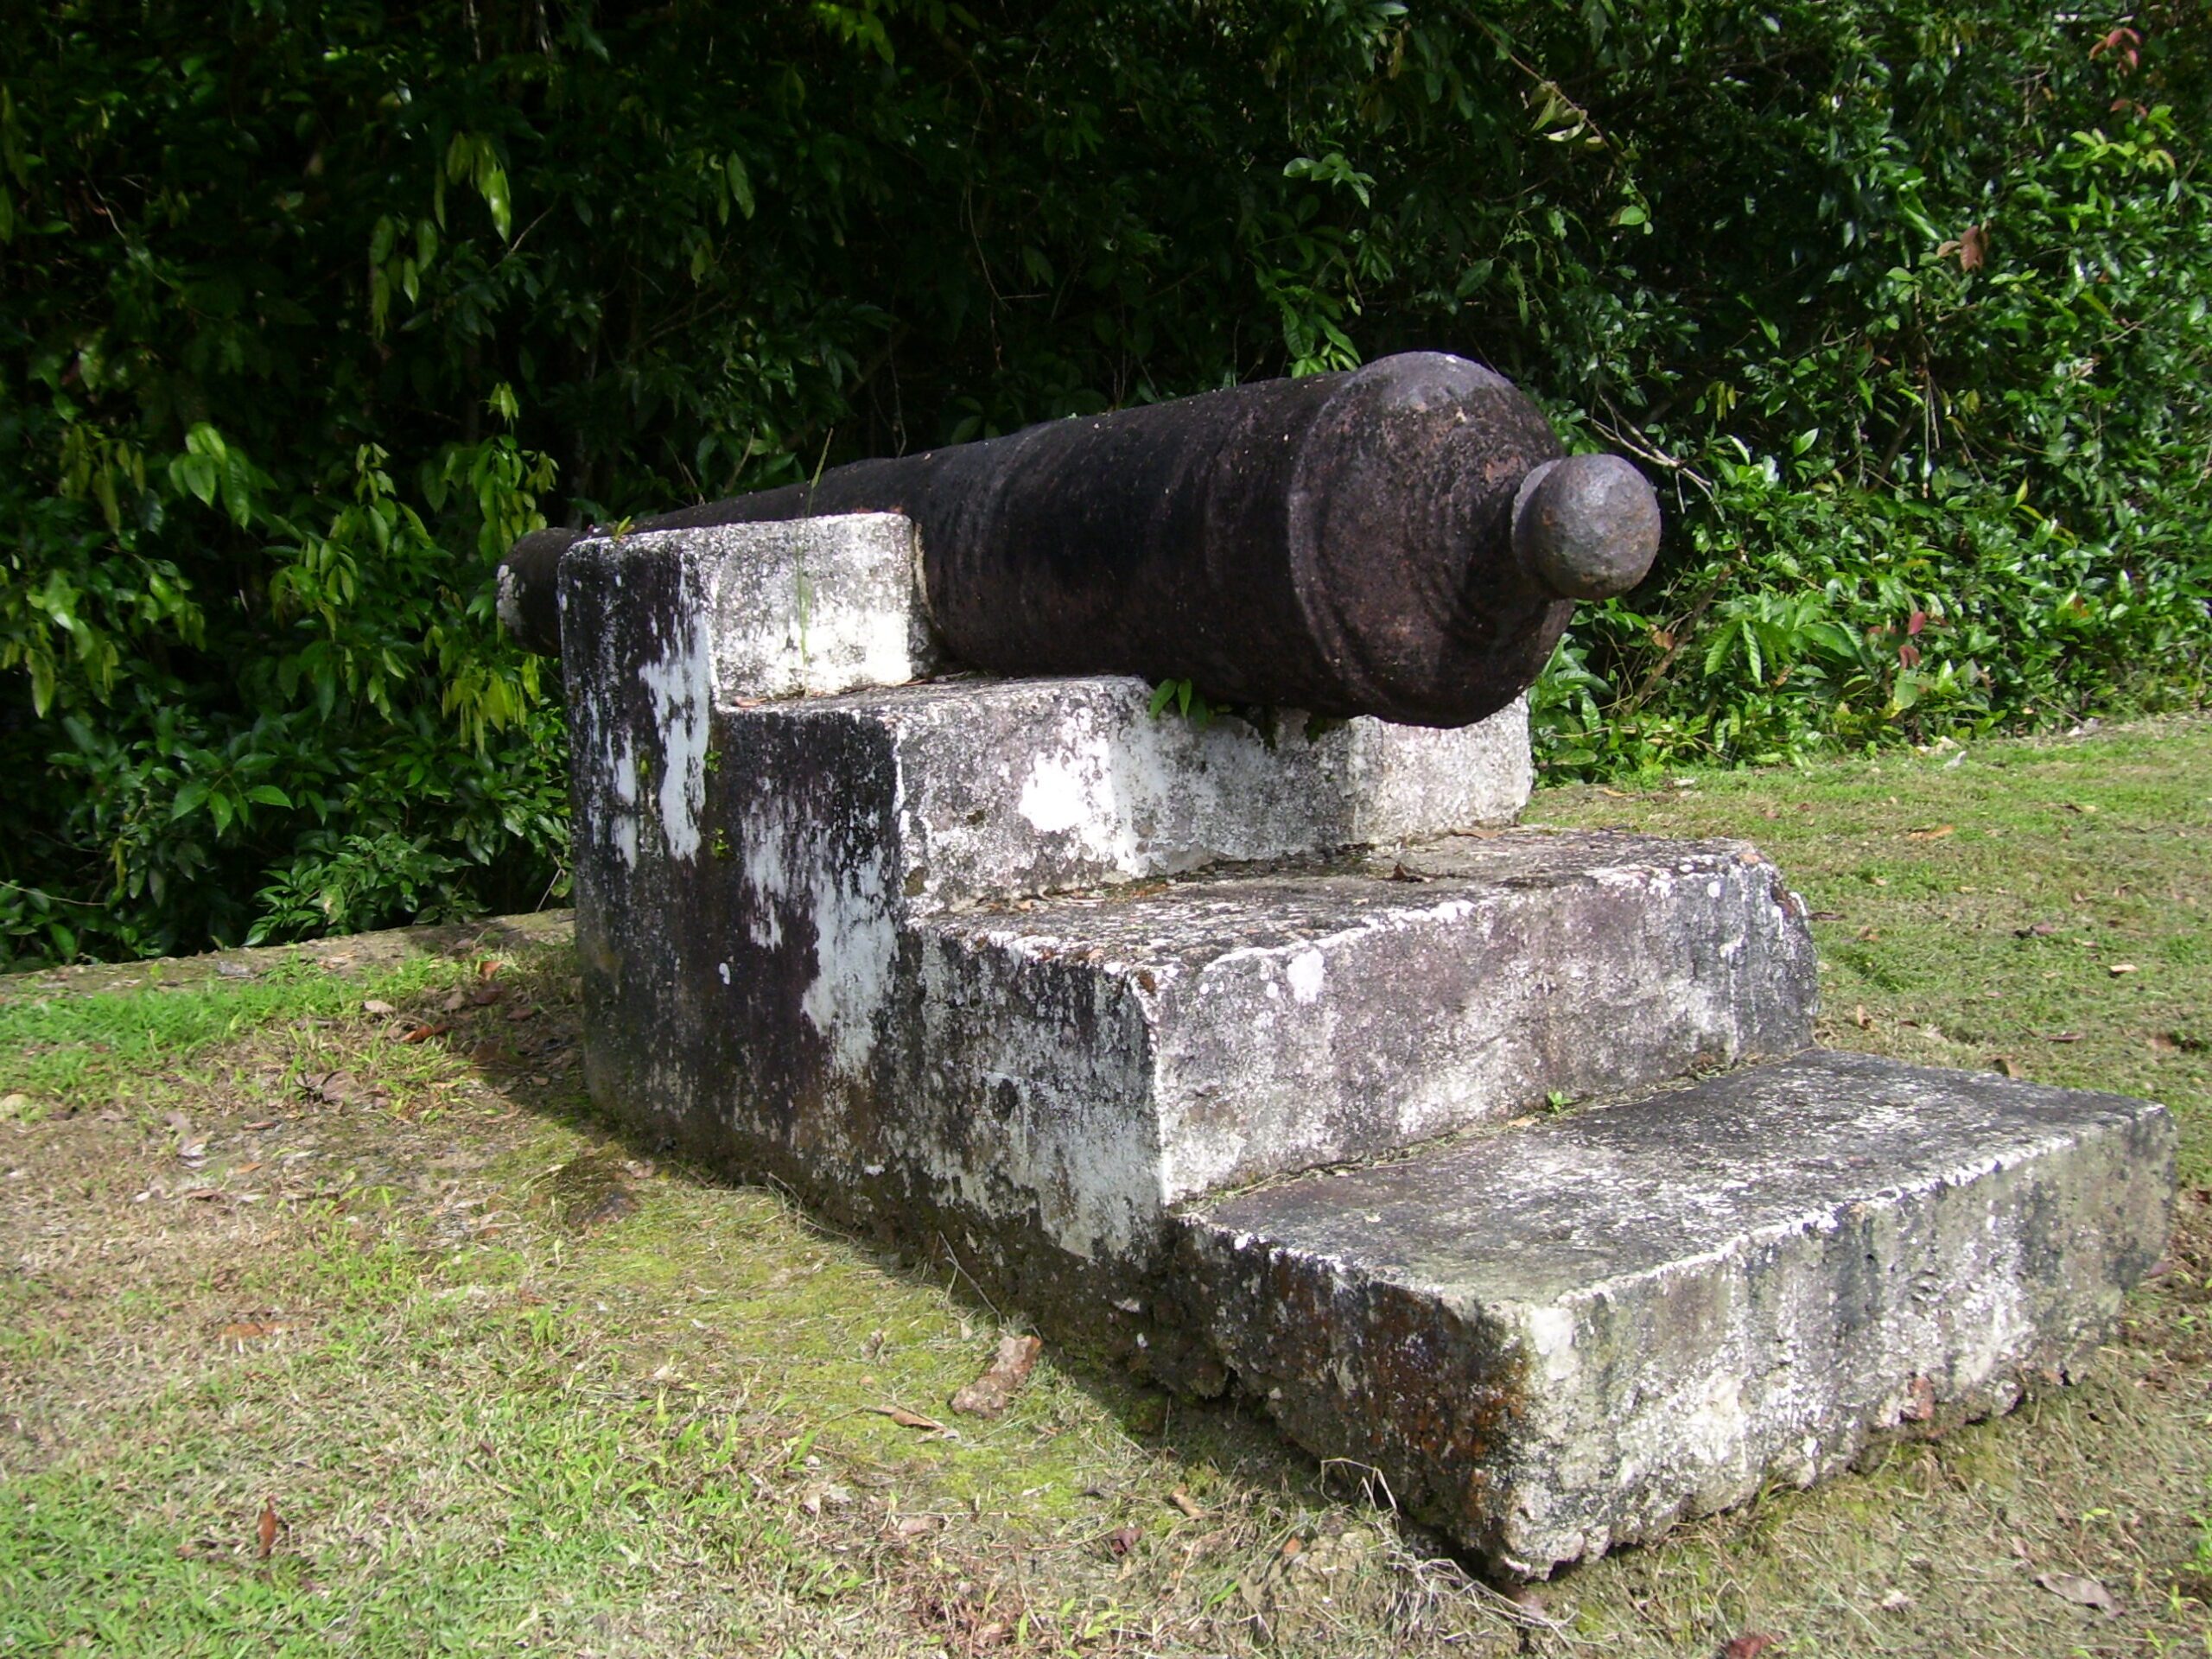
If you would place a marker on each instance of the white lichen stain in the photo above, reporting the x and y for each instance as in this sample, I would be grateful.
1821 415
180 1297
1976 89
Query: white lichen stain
855 952
1550 1335
766 882
1305 973
619 824
1716 1429
793 861
681 684
1070 789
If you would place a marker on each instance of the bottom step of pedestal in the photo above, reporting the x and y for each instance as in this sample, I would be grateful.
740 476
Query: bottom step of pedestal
1557 1338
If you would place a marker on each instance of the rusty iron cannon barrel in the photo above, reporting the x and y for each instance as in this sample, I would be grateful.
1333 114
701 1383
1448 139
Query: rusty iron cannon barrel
1405 540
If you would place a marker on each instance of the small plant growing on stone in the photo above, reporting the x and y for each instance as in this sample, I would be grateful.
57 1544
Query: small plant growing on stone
1188 702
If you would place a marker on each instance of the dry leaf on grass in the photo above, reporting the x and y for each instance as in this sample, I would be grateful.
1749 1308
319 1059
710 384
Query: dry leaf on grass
1183 1501
2083 1592
828 1496
268 1527
1749 1645
993 1391
344 1088
906 1419
377 1005
1122 1539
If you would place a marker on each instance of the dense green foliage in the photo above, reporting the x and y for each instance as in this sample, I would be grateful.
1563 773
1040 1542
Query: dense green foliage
310 305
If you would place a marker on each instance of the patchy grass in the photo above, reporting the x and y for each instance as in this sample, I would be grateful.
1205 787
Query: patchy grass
2042 909
495 1378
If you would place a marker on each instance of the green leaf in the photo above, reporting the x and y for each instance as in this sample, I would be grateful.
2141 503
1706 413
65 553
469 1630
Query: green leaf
1717 652
491 180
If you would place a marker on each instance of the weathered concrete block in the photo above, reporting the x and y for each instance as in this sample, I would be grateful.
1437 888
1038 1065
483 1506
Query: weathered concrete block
1559 1339
1141 1050
809 607
992 788
1005 788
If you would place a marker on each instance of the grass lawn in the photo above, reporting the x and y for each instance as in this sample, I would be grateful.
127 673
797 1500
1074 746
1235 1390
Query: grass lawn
331 1319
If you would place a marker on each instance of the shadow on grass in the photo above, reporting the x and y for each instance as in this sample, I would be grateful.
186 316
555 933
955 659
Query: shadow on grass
530 1063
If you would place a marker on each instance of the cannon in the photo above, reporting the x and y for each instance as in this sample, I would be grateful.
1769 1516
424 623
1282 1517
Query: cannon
1405 540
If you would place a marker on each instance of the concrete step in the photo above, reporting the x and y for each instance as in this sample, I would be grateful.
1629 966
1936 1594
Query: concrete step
1556 1339
1116 1054
687 653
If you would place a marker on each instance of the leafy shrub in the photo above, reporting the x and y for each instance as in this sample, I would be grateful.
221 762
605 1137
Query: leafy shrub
310 306
2026 544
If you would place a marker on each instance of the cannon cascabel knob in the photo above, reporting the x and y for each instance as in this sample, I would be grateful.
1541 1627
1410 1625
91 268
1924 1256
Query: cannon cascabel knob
1404 540
1587 527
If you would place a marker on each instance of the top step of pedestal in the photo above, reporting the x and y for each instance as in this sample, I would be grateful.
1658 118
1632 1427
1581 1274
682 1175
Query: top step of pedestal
707 655
803 607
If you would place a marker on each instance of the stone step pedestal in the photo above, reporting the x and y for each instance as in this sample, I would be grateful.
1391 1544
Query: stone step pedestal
1019 970
1129 1051
1557 1338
